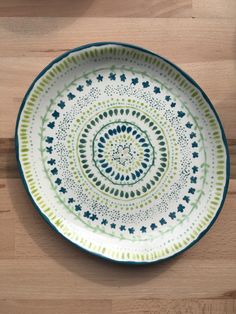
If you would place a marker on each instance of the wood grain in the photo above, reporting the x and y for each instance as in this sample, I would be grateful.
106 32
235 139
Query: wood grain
122 8
214 8
85 279
174 306
39 271
98 8
56 306
152 306
181 40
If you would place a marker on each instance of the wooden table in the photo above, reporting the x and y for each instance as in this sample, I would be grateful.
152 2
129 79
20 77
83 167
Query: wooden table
39 271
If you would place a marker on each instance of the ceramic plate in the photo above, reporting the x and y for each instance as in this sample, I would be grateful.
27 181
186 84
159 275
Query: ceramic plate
122 153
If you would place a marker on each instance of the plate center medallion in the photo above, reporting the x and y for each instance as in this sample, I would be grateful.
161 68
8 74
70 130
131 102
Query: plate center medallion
122 152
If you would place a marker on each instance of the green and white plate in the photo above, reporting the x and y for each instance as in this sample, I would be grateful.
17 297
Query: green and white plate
122 153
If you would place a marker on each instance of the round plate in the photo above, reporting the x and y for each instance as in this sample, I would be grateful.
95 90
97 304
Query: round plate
122 152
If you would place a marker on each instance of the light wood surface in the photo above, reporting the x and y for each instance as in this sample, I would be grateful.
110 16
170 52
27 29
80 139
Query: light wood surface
39 271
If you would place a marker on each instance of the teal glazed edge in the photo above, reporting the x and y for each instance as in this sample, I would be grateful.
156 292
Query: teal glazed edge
98 44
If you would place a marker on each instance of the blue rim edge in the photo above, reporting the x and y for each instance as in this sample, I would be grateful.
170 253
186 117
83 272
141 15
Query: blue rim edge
97 44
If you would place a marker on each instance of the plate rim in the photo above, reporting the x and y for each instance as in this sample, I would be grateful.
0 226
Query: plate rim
186 76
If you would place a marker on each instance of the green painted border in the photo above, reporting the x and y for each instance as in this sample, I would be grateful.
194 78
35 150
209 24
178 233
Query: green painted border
44 82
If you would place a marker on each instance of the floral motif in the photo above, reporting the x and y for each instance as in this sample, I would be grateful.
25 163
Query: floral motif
163 221
123 154
51 162
61 104
78 208
54 171
134 81
181 208
122 228
70 96
189 125
192 135
55 114
156 90
100 78
186 198
104 222
94 217
51 125
172 215
49 149
49 139
87 214
131 230
58 181
123 77
143 229
63 190
153 226
88 82
191 191
80 88
146 84
193 179
181 114
112 76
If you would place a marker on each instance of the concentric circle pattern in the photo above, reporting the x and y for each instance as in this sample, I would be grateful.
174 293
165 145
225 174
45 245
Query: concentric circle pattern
122 153
118 157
